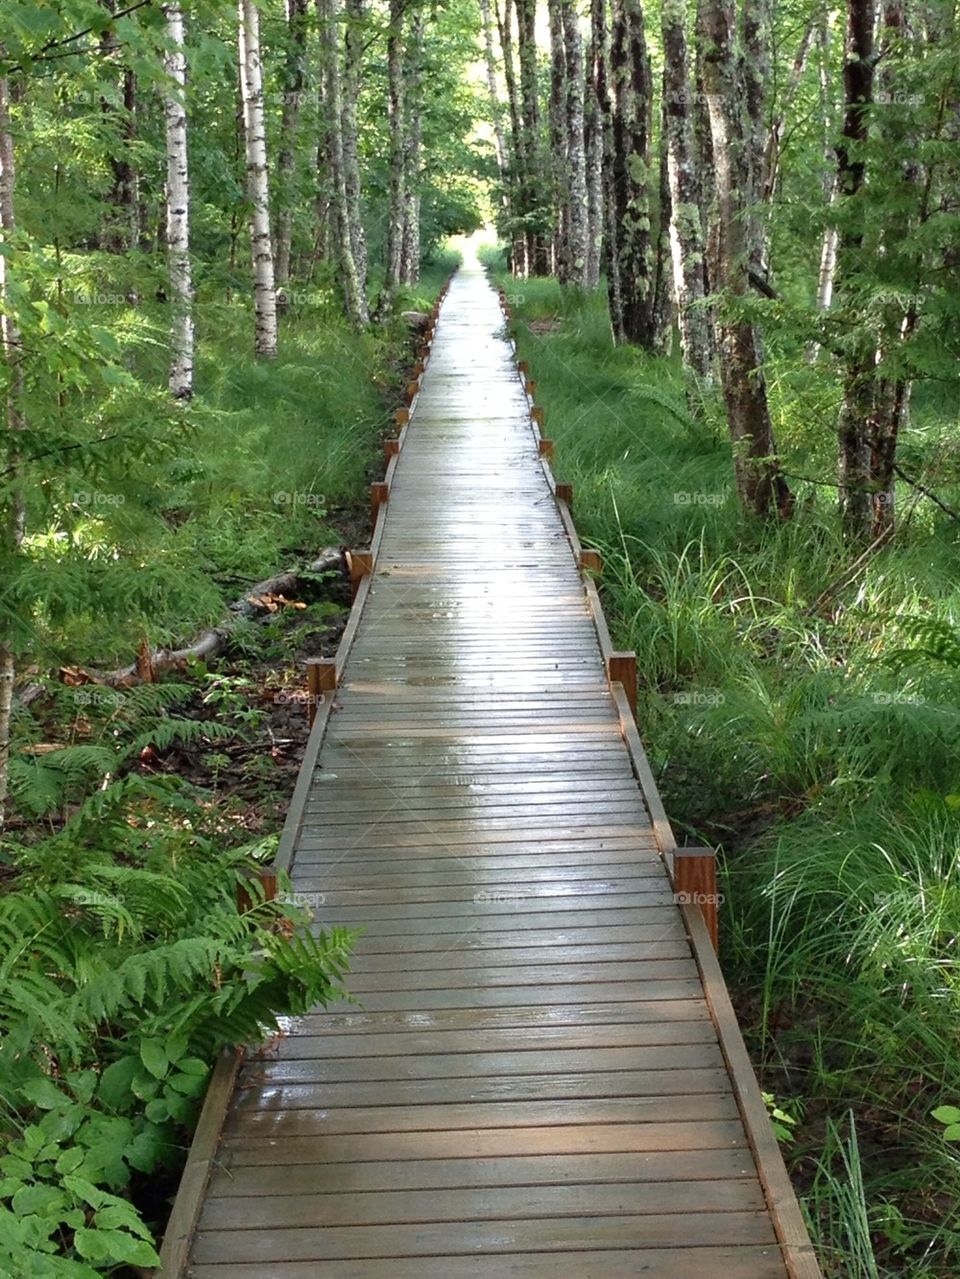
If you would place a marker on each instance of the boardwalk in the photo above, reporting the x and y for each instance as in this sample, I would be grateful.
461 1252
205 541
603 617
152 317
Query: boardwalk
538 1080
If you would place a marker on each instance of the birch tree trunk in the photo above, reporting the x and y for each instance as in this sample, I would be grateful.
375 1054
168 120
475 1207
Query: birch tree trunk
294 78
396 113
533 204
336 211
180 379
518 254
576 183
760 485
633 100
410 250
663 293
258 187
686 229
559 142
600 40
12 510
858 381
593 148
352 72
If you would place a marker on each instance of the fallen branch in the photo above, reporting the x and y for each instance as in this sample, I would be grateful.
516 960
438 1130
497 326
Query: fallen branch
262 597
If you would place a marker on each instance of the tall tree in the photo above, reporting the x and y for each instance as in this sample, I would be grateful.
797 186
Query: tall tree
351 286
593 149
410 250
353 47
397 116
600 45
534 202
258 186
520 263
686 228
559 141
632 84
178 207
11 492
576 177
852 428
730 87
293 80
119 230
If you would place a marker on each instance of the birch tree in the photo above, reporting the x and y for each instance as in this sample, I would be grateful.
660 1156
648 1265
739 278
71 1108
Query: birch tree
600 45
559 141
534 199
632 85
410 247
12 510
593 155
353 40
258 186
352 287
685 227
396 114
293 81
737 168
520 264
178 207
576 179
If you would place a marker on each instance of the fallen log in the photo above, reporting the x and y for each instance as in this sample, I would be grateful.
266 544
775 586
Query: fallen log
263 597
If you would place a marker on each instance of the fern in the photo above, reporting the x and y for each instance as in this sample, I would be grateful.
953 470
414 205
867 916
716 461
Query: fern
932 640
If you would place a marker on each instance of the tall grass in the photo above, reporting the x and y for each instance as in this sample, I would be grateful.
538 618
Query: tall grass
781 730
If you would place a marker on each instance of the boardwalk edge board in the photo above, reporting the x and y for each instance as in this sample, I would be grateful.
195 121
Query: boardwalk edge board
191 1192
792 1235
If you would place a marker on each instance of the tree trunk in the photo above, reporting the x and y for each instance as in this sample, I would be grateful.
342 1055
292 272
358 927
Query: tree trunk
410 251
686 228
178 209
576 183
760 485
396 113
337 209
119 230
663 293
294 78
858 381
559 142
352 70
600 41
12 510
593 147
258 187
518 253
533 204
772 151
632 115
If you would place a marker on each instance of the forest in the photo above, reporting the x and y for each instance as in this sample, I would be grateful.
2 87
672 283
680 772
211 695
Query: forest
727 232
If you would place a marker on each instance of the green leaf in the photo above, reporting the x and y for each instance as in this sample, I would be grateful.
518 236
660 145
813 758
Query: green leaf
44 1094
153 1054
946 1114
115 1083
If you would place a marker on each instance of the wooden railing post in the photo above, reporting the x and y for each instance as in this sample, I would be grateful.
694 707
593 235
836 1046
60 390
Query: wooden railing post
564 493
266 876
695 884
321 679
592 561
538 416
545 447
622 669
379 493
361 563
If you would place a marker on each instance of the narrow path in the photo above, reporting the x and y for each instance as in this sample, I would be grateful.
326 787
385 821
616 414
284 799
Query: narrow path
533 1084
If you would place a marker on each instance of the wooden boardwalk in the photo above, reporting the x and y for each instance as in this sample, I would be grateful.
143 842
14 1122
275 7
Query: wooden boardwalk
543 1077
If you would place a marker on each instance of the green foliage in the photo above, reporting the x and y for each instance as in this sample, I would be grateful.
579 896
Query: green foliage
126 969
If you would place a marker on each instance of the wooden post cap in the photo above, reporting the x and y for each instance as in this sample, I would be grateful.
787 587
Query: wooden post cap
622 669
565 493
545 448
591 560
695 884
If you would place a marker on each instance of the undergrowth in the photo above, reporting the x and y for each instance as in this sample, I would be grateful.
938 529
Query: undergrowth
805 721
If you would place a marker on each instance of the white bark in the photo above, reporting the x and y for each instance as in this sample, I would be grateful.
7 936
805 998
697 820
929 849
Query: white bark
178 208
577 228
12 512
397 113
258 187
352 67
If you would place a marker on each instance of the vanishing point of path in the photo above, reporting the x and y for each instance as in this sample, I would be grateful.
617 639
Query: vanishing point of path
532 1082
